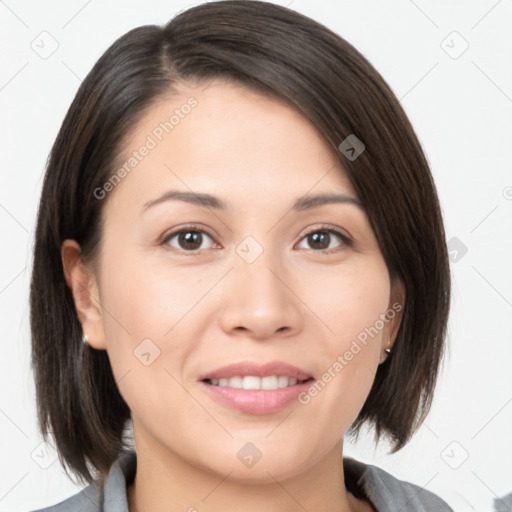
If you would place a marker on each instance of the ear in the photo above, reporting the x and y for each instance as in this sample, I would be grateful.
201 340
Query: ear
84 288
393 317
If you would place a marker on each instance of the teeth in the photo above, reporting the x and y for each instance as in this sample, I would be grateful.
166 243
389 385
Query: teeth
251 382
282 382
269 383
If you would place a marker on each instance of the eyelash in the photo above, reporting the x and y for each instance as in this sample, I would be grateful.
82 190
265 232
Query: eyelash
323 229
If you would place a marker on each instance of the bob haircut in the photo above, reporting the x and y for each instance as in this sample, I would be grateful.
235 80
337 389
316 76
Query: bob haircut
278 52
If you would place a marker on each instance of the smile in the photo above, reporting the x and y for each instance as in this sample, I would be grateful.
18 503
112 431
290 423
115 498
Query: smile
271 382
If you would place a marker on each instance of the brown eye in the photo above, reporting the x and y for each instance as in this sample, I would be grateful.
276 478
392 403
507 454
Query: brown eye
319 240
188 240
324 239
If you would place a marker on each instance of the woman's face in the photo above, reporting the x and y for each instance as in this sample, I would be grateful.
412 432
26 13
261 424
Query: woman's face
214 253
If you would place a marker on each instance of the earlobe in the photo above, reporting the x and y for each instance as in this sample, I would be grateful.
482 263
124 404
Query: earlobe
82 283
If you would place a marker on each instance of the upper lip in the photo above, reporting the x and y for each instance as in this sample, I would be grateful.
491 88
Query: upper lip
245 368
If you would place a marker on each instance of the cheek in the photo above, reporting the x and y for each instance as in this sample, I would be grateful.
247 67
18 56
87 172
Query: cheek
148 298
153 315
148 337
349 301
350 305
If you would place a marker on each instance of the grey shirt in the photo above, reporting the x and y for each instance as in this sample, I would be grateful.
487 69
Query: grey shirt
384 491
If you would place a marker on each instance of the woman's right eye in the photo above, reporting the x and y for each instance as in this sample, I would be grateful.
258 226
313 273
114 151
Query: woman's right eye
188 240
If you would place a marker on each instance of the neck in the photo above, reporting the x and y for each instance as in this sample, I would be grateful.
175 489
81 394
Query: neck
164 481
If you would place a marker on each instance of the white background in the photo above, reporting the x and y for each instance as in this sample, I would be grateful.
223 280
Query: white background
461 109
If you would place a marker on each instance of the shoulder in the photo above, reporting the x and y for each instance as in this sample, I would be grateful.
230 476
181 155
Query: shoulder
388 493
109 498
87 500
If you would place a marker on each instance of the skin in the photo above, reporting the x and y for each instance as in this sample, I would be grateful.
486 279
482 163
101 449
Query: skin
207 308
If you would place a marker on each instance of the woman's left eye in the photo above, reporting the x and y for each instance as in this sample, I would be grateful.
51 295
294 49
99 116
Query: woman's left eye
322 239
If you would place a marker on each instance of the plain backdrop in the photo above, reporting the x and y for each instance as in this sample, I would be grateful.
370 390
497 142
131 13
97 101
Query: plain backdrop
450 65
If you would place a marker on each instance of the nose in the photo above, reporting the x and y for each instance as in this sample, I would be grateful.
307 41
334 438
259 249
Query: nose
258 300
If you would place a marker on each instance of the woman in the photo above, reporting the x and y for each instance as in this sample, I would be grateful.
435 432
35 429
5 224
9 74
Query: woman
239 256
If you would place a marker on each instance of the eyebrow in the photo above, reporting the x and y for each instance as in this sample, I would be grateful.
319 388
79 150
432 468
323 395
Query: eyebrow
305 202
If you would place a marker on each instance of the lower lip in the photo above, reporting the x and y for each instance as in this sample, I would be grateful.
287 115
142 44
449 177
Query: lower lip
256 401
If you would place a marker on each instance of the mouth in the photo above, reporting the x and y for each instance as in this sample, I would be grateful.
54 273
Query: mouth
254 388
268 383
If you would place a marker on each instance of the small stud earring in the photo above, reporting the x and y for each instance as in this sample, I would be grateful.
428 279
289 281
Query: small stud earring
388 348
85 339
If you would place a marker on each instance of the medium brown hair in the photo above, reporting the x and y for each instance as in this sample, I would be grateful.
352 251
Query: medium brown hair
280 52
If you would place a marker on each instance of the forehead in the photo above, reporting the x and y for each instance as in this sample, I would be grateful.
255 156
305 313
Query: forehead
231 141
